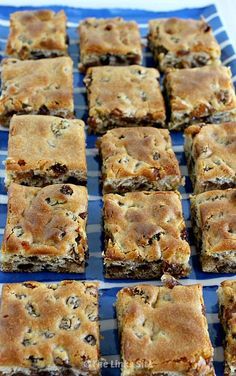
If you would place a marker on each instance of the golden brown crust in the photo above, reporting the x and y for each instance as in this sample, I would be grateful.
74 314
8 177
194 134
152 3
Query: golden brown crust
211 155
111 41
200 94
182 43
161 321
124 96
37 34
146 227
50 327
227 302
37 87
213 214
48 223
144 154
39 150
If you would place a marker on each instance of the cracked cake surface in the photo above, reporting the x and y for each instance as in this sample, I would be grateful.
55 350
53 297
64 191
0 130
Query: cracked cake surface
198 95
227 306
214 225
36 87
37 34
169 326
145 235
138 158
124 96
211 155
182 43
39 151
110 41
49 329
45 229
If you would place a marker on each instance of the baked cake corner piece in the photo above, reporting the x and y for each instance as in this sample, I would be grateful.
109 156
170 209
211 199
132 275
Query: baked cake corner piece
32 343
160 320
198 95
138 158
46 229
44 87
111 41
211 156
145 235
124 97
37 34
39 151
182 43
227 302
213 217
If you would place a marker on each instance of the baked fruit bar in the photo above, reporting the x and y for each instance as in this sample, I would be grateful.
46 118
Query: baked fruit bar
49 329
39 151
197 95
145 235
211 156
43 87
45 229
111 41
163 331
214 224
182 43
37 34
138 158
227 304
124 96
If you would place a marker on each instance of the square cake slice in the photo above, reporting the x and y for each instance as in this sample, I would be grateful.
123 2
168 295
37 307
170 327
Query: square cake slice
111 41
49 329
45 229
43 87
145 235
227 309
163 331
211 156
124 96
138 158
182 43
198 95
37 34
214 224
40 151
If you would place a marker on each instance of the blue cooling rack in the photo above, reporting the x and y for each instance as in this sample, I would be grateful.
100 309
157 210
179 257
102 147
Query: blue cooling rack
94 270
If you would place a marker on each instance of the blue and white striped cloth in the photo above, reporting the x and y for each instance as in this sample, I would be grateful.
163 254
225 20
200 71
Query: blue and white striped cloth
94 271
